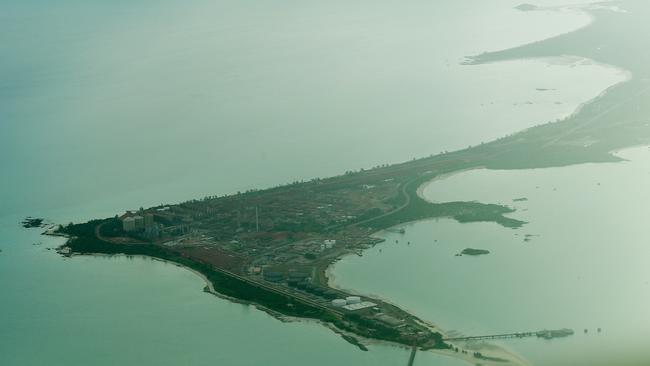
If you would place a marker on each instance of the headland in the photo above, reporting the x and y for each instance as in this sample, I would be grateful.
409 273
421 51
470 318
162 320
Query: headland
272 247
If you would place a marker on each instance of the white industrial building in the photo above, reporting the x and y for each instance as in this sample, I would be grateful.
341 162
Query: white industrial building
352 300
339 303
359 306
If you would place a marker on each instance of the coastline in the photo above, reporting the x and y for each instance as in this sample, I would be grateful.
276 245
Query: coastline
209 289
331 283
423 186
356 340
329 271
627 76
496 351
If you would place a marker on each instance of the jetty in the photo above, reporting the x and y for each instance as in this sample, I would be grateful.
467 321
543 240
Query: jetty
414 350
546 334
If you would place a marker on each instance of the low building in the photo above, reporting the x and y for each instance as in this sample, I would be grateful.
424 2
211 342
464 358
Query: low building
339 303
359 306
389 320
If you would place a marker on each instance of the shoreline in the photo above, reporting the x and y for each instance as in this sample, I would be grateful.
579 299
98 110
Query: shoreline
209 289
362 342
424 186
497 351
420 190
627 76
353 338
331 277
583 9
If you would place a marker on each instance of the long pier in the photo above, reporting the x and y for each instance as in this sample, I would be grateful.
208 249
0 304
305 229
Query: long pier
546 334
494 336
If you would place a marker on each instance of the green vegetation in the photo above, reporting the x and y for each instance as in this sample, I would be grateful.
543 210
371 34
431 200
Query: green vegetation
111 228
379 330
472 251
32 222
419 209
617 120
528 149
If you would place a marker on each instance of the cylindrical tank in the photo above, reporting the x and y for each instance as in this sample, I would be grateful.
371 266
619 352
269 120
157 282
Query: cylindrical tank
148 220
139 222
339 302
353 300
128 224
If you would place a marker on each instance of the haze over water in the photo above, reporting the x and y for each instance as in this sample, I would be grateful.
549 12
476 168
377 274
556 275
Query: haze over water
579 263
107 106
167 102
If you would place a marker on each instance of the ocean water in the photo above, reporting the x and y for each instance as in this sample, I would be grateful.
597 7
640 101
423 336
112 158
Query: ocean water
136 311
149 101
108 106
579 263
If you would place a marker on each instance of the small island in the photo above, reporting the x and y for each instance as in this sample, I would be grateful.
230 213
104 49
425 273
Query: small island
472 251
32 222
526 7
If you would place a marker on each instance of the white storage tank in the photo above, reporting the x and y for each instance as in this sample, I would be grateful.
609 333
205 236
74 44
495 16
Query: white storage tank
352 300
328 244
339 303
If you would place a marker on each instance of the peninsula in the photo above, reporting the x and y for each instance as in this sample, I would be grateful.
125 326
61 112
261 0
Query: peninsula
272 247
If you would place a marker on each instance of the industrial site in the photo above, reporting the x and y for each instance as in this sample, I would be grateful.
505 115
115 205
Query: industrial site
272 247
281 241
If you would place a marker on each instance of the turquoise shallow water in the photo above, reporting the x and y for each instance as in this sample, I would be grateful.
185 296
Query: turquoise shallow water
108 106
584 266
